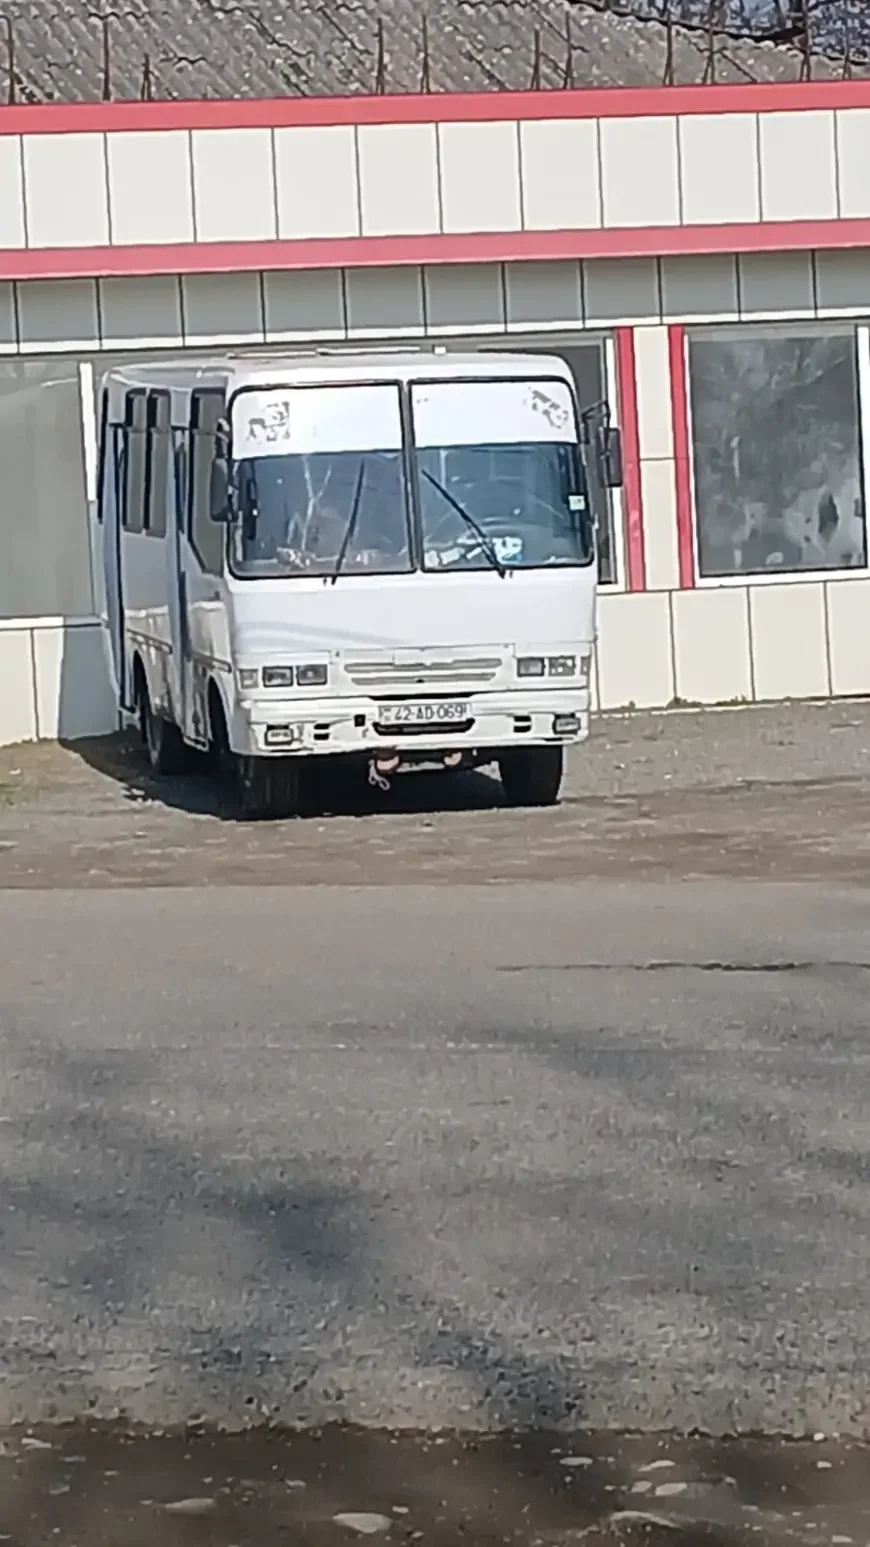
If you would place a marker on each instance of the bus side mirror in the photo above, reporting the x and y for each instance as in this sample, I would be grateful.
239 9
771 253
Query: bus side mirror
219 491
611 458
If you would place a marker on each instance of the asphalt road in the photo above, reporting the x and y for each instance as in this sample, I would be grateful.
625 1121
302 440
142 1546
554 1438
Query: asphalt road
588 1153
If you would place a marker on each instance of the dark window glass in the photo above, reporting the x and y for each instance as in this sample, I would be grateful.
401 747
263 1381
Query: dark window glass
776 448
159 454
206 536
136 462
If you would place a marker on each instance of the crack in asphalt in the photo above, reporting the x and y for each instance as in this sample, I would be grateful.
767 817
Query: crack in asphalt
755 968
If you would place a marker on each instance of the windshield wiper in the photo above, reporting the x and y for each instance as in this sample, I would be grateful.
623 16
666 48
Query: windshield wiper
485 542
351 520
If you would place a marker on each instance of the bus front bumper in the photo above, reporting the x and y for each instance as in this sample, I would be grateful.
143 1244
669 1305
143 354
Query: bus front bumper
362 726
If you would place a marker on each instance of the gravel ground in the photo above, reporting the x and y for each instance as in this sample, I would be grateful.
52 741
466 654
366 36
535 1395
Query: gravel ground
778 792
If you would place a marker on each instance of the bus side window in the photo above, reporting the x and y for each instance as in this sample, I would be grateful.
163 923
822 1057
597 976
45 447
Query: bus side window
207 538
159 453
136 461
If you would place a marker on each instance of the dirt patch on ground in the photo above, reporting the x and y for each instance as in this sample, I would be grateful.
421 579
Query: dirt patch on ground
338 1486
777 793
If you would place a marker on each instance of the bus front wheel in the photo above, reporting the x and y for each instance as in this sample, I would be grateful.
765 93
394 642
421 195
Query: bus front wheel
268 787
532 776
167 753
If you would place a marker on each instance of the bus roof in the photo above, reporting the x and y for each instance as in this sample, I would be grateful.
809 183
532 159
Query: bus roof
307 367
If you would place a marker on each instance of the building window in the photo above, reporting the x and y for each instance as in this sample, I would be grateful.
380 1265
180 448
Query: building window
776 446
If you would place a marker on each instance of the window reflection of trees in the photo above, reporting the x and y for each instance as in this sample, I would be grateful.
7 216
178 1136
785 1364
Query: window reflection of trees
775 426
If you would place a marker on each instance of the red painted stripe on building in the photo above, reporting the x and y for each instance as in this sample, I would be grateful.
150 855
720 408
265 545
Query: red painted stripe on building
436 107
682 455
632 491
473 247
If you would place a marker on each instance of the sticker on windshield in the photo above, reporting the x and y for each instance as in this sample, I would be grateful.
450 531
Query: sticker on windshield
271 426
556 414
576 501
508 549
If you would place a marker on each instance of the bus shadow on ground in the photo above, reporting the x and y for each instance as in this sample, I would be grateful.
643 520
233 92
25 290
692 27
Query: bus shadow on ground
201 792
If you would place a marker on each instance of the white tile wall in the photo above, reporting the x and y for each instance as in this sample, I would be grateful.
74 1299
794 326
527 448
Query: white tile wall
798 166
66 190
560 174
719 168
711 646
640 174
543 295
658 494
150 187
653 372
234 185
853 160
480 178
17 702
849 636
635 661
384 301
398 169
12 232
73 695
789 643
392 179
316 182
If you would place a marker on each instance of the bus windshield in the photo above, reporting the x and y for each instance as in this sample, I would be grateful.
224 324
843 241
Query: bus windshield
526 503
500 474
304 514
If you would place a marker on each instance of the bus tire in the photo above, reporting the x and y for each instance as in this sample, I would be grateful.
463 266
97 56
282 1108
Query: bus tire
532 776
268 788
163 742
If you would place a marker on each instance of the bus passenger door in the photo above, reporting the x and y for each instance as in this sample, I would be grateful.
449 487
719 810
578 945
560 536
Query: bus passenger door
178 593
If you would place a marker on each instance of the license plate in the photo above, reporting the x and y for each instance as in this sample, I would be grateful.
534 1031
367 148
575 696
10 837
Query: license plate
446 712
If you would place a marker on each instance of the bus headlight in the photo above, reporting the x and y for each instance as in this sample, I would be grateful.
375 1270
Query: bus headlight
562 666
277 676
311 676
530 666
249 678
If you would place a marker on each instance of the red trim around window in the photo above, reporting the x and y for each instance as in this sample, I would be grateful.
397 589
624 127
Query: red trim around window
682 456
440 247
436 107
632 491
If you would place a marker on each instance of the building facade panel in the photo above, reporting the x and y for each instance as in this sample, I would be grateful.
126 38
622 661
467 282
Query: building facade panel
712 654
140 313
543 295
383 302
234 191
848 610
640 173
635 652
853 162
798 166
399 189
12 227
789 641
304 305
719 169
480 176
308 161
561 174
66 190
150 184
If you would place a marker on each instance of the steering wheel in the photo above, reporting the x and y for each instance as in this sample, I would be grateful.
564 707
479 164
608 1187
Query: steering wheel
492 525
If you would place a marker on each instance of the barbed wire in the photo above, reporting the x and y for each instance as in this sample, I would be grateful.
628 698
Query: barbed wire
715 39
